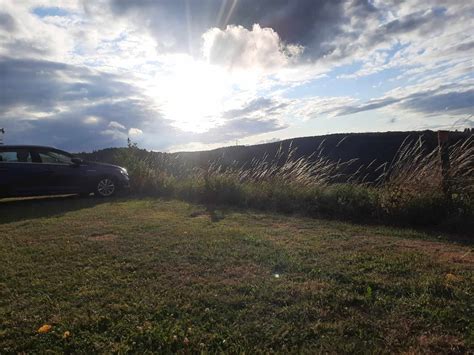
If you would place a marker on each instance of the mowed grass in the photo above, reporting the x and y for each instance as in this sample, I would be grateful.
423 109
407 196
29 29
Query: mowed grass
149 275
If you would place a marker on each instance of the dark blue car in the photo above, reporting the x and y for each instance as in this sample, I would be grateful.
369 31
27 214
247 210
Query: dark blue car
37 171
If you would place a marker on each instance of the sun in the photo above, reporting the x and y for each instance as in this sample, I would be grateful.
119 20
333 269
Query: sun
191 94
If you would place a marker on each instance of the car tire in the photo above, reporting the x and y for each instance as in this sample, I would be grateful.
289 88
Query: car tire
105 187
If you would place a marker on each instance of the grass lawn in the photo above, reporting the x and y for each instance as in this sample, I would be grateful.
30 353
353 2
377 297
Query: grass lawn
149 275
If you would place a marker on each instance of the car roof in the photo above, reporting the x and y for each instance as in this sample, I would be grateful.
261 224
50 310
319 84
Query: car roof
17 146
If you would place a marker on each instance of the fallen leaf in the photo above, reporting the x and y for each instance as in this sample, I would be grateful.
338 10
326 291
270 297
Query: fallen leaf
46 328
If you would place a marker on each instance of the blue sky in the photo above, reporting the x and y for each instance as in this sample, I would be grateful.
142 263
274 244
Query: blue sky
49 11
190 75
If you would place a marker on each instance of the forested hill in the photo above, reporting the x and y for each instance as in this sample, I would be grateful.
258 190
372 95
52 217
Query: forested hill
365 147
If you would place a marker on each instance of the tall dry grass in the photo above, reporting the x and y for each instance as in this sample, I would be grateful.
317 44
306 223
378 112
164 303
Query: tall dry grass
284 167
461 173
414 188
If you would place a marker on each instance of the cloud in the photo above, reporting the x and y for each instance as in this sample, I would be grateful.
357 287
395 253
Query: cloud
257 116
447 99
237 47
314 107
47 87
22 34
116 126
71 106
133 132
371 105
454 103
241 127
259 106
7 22
91 120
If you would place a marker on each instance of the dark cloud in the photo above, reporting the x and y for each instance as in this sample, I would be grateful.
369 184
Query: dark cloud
75 105
71 131
371 105
363 36
428 102
464 47
22 48
7 22
255 117
424 22
261 105
44 85
461 103
239 128
410 23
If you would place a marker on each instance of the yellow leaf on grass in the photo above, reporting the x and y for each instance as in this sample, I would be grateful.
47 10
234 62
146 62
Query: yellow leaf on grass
46 328
66 334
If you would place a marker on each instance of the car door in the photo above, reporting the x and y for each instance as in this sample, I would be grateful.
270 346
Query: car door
19 175
61 175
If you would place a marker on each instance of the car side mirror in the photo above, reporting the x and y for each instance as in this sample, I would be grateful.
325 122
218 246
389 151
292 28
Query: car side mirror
76 161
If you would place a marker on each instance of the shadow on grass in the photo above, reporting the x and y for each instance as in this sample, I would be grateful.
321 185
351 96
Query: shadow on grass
19 209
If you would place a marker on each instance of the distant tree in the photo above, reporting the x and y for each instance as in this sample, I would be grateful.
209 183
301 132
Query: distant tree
131 144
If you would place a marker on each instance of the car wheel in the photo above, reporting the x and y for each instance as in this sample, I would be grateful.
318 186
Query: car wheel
105 187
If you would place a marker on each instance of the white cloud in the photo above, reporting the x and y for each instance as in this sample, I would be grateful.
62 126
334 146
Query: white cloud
30 36
91 120
238 47
114 134
133 132
115 125
314 107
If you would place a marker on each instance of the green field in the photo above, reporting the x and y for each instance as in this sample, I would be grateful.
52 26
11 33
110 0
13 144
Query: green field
149 275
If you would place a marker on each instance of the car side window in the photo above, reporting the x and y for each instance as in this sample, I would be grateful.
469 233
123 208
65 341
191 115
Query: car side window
15 156
50 157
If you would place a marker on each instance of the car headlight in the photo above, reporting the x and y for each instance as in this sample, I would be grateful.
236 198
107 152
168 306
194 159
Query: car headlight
124 171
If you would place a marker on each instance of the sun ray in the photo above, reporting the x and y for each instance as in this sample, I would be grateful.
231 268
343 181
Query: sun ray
229 14
189 29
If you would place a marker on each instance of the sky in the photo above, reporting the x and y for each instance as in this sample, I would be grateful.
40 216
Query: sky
183 75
